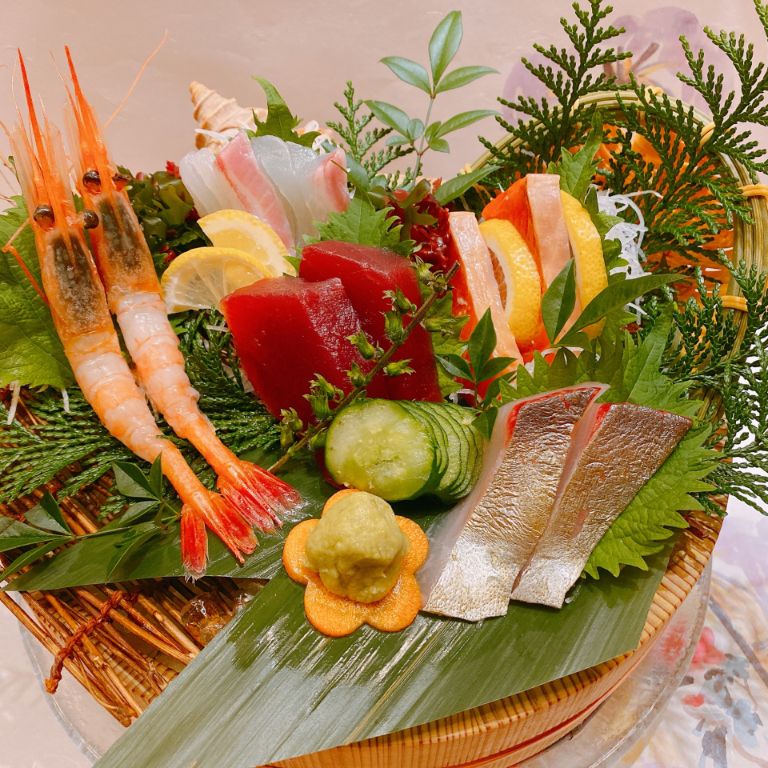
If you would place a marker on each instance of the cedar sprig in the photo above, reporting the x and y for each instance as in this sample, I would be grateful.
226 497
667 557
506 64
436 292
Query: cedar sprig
730 111
359 141
573 76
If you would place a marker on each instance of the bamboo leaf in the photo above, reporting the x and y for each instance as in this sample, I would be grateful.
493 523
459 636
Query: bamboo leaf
444 44
463 76
19 534
559 300
309 692
409 72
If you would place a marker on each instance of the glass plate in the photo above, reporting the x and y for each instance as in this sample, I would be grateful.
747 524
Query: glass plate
600 741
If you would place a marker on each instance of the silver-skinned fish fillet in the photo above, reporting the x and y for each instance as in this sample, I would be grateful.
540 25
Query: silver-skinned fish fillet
485 540
616 449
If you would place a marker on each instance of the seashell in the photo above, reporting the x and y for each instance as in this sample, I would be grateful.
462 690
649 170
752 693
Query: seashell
215 113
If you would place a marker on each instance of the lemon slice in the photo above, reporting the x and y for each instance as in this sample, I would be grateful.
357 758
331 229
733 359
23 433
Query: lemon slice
591 275
518 279
238 229
202 277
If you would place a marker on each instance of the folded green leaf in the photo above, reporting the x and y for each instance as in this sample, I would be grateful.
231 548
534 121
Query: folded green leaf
453 188
444 44
415 129
390 115
439 145
494 367
485 420
463 76
558 301
615 296
409 72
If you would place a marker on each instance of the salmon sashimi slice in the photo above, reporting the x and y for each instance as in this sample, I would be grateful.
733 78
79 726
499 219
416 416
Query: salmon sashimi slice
253 187
475 286
482 544
616 449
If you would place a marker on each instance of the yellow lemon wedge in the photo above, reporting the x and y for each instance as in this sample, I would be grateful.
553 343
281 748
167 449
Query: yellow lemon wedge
238 229
202 277
591 275
518 279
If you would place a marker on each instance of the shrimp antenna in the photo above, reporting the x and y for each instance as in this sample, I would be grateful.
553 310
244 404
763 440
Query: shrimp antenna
133 84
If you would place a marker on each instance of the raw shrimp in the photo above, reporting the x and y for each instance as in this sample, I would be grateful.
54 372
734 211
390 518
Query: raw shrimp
134 296
82 320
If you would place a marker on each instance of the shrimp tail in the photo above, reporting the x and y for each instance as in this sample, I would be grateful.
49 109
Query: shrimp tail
194 542
257 495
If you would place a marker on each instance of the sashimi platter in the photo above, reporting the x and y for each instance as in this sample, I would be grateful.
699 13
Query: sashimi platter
310 457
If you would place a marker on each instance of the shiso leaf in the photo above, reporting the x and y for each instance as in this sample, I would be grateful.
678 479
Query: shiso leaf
31 350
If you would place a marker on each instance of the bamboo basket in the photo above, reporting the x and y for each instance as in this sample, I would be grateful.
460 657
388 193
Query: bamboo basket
126 642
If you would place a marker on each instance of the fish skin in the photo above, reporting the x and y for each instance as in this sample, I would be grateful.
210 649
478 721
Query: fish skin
494 531
624 448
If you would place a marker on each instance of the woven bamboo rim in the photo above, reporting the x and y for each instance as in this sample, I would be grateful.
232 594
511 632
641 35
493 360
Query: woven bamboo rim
125 642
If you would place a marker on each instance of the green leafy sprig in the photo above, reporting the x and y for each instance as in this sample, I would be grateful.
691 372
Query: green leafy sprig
358 145
422 135
280 121
398 333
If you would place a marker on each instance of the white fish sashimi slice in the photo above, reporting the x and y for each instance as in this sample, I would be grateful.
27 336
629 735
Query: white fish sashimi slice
325 190
206 183
205 199
274 156
253 187
305 161
478 552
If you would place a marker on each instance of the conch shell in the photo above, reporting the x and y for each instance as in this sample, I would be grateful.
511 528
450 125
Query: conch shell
224 116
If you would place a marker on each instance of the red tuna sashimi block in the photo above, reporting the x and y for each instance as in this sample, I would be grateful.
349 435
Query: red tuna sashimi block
366 273
286 331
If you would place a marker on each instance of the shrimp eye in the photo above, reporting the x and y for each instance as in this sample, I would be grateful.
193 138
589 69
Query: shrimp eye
90 219
92 180
44 215
120 180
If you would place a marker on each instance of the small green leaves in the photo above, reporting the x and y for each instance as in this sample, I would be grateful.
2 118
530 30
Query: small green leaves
132 483
463 76
280 122
463 119
482 343
47 515
559 300
445 43
364 347
398 368
409 72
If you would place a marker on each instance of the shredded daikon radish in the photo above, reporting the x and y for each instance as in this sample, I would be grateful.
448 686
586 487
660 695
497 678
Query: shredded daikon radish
629 235
16 390
213 134
65 400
